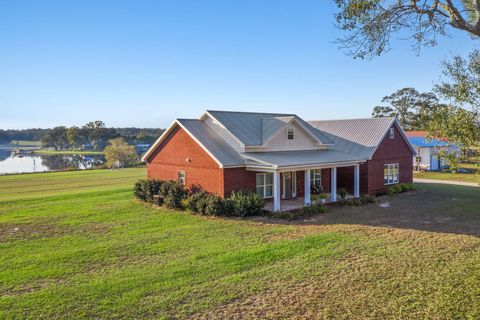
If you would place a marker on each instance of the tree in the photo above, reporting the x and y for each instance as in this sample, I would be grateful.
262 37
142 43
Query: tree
98 134
118 152
371 23
412 108
4 137
456 124
461 83
56 138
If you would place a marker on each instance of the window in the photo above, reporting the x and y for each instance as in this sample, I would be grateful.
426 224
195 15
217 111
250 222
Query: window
181 178
291 134
392 133
316 177
418 159
391 173
265 185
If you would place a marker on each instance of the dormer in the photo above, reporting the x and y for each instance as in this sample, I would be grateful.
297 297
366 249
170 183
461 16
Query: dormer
288 133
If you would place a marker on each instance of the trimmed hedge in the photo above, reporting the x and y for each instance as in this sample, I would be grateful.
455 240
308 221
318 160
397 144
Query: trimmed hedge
242 203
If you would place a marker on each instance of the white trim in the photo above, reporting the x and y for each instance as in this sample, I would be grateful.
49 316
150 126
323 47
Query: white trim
306 190
208 114
333 184
389 165
158 141
167 132
264 185
293 133
402 133
276 191
356 181
279 131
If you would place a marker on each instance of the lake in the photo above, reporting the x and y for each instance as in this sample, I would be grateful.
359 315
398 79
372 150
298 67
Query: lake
30 162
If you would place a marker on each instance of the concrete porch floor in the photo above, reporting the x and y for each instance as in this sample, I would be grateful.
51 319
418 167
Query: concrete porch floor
291 204
287 204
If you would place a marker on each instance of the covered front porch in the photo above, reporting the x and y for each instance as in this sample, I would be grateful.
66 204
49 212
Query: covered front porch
292 175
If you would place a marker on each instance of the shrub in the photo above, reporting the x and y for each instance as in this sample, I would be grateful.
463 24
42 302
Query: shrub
193 200
313 209
367 198
140 189
228 207
146 189
399 188
172 193
342 192
246 203
214 205
153 188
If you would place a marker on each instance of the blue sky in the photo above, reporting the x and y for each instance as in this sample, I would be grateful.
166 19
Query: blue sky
144 63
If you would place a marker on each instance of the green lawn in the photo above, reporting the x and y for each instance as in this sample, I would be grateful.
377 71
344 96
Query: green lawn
77 245
462 177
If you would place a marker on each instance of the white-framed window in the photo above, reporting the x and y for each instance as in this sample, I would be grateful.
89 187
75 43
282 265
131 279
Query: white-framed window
181 178
392 133
316 177
290 133
418 159
391 173
265 185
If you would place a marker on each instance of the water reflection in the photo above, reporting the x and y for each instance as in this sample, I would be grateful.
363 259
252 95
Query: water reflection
12 163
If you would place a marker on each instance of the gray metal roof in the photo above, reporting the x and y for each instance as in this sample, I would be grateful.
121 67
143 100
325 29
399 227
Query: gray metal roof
271 125
218 147
360 137
248 126
301 158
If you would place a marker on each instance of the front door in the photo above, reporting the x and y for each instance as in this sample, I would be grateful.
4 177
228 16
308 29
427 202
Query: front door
288 185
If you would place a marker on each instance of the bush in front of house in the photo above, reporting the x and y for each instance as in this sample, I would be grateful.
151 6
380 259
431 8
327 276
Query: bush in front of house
146 189
399 188
170 192
245 203
367 198
195 201
140 189
342 192
173 195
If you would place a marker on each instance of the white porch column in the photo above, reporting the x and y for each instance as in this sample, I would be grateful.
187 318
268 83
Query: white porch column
333 184
307 188
276 191
356 181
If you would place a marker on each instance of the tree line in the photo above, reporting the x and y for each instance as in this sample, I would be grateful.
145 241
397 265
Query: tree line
93 135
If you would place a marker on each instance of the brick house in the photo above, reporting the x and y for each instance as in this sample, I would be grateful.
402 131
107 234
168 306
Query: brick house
280 156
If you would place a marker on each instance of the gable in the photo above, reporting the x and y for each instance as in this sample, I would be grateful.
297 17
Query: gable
397 147
302 140
179 149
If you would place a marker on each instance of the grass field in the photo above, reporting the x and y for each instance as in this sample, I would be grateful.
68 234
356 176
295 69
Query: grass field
77 245
462 177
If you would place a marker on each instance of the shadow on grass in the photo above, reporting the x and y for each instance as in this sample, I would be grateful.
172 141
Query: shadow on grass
431 207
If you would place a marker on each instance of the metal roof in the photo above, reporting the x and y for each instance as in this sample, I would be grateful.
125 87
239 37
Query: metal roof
423 142
248 126
301 158
360 137
211 141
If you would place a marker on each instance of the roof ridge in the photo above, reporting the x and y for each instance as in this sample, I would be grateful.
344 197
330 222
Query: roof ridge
248 112
352 119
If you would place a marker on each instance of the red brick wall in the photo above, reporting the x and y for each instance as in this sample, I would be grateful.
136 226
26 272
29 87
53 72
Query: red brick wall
390 151
345 178
238 178
171 156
